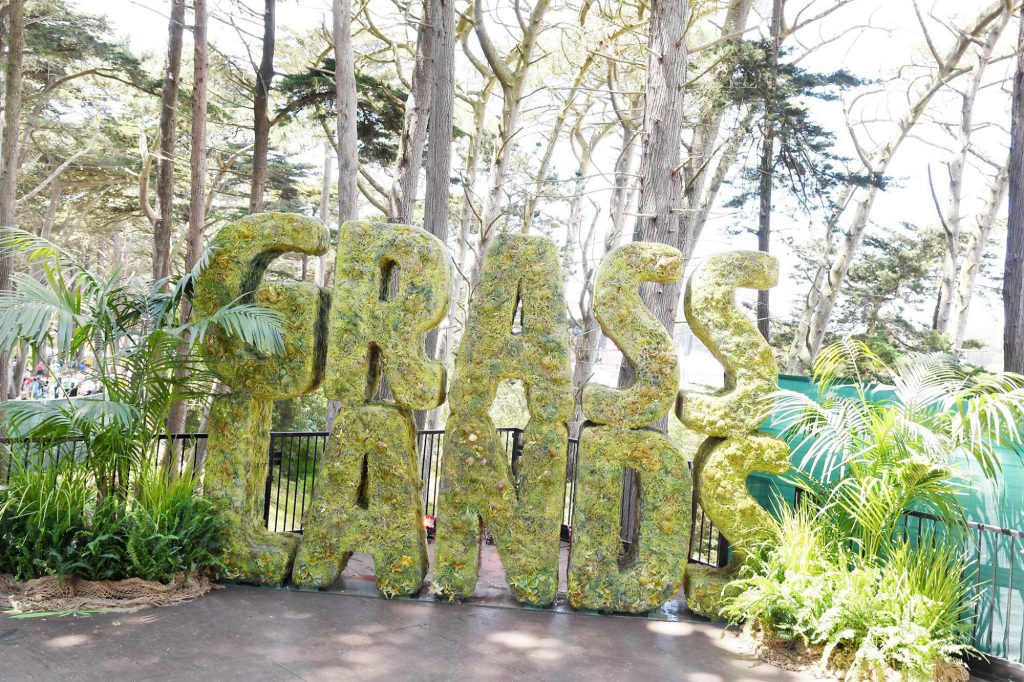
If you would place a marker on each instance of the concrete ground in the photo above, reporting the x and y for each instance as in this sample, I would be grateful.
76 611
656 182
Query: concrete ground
253 634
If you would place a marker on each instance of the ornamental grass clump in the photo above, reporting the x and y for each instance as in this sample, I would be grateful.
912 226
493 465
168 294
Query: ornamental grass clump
841 574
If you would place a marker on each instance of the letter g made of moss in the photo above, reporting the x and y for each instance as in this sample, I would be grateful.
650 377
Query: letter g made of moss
239 423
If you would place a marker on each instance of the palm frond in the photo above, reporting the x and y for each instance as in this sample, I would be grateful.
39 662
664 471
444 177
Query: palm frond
256 325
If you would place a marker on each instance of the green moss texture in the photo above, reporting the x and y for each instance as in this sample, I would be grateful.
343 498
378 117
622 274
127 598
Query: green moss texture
239 424
241 253
640 336
235 478
367 494
379 514
751 372
369 328
658 563
735 449
522 509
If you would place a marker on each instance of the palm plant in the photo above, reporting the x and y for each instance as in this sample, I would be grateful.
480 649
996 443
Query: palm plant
872 454
141 349
841 571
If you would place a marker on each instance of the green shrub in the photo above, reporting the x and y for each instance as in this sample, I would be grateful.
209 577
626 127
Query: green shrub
869 615
51 523
171 530
840 572
41 515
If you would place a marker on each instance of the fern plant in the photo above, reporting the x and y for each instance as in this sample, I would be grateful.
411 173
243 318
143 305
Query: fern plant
52 524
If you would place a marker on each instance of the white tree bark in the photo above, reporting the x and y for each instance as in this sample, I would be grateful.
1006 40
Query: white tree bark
511 74
951 220
970 263
832 269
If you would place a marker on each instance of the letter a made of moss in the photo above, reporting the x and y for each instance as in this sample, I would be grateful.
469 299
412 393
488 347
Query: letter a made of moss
656 570
375 331
735 449
239 425
640 336
379 515
522 510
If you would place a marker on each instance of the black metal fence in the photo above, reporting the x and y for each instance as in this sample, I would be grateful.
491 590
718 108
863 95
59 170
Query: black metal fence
187 450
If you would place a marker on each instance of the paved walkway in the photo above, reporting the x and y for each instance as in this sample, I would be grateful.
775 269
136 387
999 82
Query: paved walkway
253 634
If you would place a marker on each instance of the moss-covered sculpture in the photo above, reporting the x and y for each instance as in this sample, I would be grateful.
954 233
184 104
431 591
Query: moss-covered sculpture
240 255
735 449
239 425
657 564
751 372
367 495
235 478
369 328
378 514
640 336
653 576
522 510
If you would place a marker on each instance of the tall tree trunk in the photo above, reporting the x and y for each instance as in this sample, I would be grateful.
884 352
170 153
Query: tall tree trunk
952 220
974 251
439 149
197 161
320 265
1013 279
168 136
467 213
659 206
764 218
832 269
9 160
402 199
197 197
348 161
707 131
260 104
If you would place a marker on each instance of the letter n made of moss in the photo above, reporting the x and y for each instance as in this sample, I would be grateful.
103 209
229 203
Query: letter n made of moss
523 508
239 425
367 495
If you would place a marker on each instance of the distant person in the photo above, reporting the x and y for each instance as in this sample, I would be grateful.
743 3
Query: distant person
40 369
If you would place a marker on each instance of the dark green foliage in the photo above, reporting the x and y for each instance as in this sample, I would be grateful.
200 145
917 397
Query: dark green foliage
61 42
804 163
893 275
52 524
380 108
